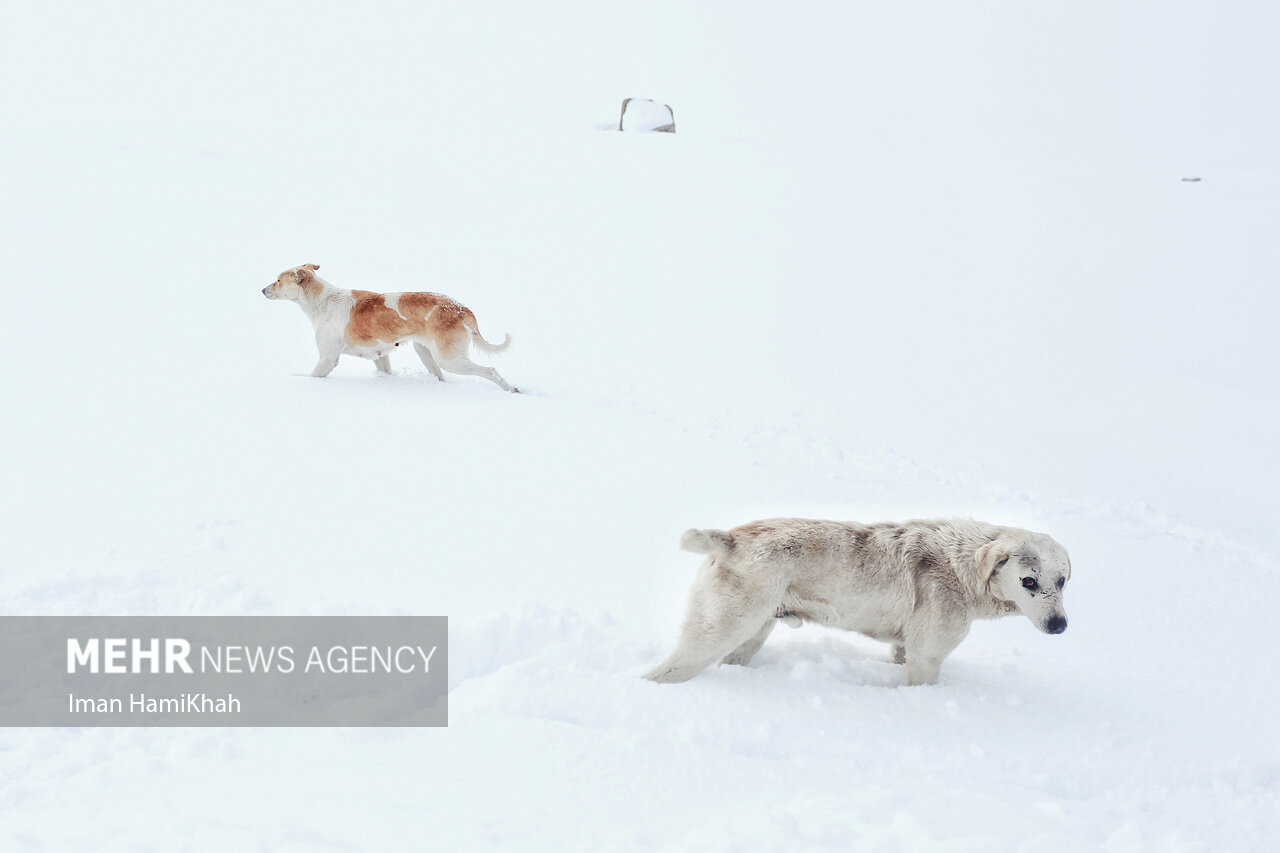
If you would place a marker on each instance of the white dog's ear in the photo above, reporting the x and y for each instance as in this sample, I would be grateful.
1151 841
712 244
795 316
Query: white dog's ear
990 557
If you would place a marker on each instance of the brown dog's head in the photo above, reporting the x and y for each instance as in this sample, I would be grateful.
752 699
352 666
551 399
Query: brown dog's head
294 284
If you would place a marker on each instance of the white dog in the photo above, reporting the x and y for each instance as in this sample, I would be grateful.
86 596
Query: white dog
917 585
370 325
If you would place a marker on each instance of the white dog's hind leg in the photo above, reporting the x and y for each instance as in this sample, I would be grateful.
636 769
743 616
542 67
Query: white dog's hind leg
719 621
463 366
424 355
742 655
899 653
383 363
694 654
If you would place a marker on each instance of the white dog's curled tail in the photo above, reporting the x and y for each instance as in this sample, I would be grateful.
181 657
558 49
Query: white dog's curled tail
717 543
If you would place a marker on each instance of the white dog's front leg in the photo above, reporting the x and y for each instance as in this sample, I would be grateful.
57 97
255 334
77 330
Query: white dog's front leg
923 670
926 650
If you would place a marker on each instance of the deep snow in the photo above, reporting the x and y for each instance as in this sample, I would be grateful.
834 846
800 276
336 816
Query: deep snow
900 260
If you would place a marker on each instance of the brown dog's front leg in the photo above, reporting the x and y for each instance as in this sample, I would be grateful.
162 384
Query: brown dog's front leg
330 351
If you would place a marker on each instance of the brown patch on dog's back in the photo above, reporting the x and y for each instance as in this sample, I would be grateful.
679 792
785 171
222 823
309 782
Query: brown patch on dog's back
427 317
416 306
440 318
372 321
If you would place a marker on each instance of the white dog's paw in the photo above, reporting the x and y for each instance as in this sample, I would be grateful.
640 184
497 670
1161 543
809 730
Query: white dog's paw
667 674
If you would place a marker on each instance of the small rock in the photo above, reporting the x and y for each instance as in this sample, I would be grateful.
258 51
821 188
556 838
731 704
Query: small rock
646 116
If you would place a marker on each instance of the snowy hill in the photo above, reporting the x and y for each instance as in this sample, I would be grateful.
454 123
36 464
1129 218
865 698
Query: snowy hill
900 260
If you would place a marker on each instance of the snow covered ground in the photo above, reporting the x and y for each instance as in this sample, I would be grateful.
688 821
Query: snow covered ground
901 260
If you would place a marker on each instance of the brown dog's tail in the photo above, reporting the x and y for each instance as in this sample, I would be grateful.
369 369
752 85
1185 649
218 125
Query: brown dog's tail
717 543
479 341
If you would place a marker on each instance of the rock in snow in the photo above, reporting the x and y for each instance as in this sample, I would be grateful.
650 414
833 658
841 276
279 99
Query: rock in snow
646 116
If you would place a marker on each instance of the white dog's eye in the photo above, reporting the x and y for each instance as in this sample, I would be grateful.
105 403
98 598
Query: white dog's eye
1031 583
1062 582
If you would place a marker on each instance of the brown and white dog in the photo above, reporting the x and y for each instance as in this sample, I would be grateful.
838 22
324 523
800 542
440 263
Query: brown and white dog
371 325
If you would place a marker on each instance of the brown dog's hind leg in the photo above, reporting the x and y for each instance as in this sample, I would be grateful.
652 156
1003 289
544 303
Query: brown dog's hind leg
464 366
424 355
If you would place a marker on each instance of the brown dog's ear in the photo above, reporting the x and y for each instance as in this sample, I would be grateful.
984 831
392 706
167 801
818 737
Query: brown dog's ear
312 266
990 557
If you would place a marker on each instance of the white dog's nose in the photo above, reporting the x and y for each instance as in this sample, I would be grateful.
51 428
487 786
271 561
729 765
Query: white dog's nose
1056 624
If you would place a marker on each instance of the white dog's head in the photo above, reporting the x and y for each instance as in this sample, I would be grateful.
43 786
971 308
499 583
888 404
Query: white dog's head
294 284
1028 570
